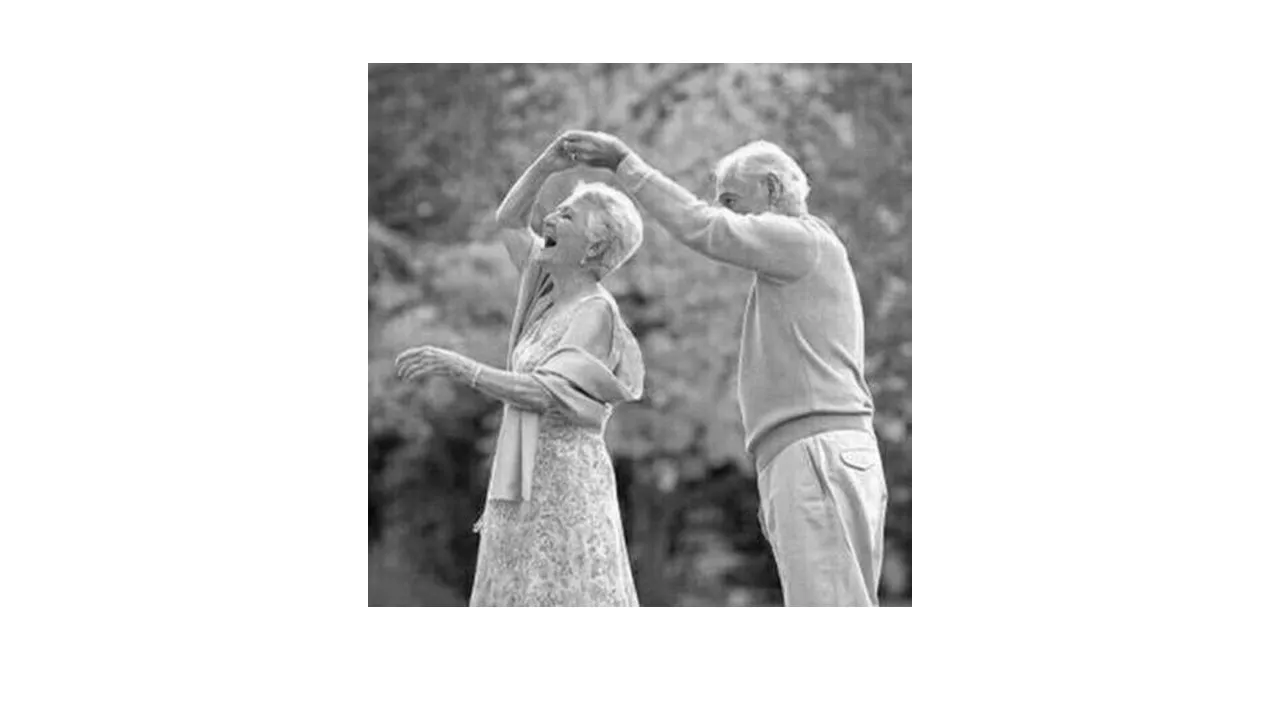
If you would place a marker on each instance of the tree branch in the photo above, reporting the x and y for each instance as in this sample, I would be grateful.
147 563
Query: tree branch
654 96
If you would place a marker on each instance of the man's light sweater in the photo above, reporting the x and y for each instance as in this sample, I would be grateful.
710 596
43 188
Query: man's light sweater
800 369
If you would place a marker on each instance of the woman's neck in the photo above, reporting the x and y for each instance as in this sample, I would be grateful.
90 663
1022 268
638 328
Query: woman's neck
570 284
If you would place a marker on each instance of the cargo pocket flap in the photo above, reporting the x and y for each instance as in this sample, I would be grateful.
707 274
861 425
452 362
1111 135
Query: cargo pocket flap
861 459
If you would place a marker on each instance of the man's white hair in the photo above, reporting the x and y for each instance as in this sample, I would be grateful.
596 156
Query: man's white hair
614 219
759 158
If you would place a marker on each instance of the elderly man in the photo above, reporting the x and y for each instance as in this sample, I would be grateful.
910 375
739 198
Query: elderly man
805 403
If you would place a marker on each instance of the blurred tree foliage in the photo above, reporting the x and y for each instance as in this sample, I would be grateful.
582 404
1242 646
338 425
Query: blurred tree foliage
446 141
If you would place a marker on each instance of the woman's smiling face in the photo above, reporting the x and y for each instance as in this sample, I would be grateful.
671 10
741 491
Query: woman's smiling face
564 233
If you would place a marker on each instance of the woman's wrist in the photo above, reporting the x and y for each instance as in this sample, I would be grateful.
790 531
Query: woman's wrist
453 365
463 369
545 166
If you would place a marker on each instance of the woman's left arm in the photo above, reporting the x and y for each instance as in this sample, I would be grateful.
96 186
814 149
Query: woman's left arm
516 389
591 331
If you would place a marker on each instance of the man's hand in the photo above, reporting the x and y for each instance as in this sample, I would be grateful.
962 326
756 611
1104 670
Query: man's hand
595 148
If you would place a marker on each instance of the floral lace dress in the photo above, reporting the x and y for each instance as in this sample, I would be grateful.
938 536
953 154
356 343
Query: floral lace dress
565 546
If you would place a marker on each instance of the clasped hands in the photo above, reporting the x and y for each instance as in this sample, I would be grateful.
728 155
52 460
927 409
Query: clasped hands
583 148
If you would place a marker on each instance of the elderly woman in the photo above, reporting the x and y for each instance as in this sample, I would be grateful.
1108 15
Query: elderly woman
551 534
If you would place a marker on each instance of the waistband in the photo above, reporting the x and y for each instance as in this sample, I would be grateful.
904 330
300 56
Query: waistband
776 440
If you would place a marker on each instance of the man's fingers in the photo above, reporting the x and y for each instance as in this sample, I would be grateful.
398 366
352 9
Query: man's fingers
585 152
580 142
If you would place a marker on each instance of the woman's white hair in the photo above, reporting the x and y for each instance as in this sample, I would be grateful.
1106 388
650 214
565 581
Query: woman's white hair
614 219
759 158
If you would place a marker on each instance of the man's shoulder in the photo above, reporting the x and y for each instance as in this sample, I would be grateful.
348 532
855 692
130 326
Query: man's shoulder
823 228
817 222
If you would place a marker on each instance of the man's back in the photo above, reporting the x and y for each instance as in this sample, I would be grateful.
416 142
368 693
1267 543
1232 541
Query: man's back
802 338
802 344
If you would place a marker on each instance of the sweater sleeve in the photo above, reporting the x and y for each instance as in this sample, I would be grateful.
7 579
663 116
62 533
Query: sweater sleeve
778 246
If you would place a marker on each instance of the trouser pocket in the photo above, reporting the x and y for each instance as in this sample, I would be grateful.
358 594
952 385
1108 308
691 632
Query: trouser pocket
818 467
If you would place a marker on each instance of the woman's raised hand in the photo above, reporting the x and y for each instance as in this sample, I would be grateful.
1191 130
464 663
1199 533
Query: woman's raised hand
556 157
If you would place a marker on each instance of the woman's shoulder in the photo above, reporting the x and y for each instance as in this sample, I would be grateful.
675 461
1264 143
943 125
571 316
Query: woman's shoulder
603 304
598 297
593 316
598 325
599 305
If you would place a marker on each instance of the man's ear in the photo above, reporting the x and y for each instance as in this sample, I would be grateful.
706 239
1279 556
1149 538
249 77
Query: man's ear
774 185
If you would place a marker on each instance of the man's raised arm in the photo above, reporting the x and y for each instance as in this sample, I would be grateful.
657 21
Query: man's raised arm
775 245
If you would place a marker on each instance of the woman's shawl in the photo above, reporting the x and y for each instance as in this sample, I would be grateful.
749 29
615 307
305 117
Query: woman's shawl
582 387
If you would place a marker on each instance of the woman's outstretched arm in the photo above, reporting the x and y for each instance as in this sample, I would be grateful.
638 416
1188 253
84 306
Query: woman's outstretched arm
513 215
591 331
519 390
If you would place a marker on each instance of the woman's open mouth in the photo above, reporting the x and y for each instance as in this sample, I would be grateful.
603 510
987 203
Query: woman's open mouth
549 240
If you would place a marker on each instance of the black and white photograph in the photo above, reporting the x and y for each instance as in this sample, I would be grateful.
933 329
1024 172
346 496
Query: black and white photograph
640 334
